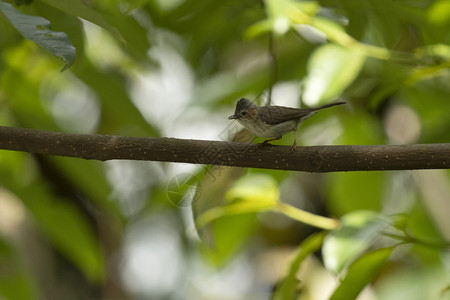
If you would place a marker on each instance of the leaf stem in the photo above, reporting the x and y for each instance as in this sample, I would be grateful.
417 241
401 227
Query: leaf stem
306 217
413 240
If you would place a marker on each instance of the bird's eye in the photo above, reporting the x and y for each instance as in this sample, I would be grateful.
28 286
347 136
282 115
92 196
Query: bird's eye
244 113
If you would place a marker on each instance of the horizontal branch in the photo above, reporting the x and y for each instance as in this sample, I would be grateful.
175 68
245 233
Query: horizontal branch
309 158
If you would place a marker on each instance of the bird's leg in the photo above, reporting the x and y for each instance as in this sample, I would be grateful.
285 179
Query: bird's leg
266 142
295 141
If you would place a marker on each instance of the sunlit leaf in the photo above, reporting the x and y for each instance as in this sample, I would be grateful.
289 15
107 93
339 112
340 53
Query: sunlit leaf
37 29
331 69
334 31
356 234
230 210
258 29
439 13
306 217
277 11
20 85
258 188
281 15
360 273
252 193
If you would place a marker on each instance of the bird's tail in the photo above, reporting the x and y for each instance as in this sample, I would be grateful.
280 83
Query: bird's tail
329 105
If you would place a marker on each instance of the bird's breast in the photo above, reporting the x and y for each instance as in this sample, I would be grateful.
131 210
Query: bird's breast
261 129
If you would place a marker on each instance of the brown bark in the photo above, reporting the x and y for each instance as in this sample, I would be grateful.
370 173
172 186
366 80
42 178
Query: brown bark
309 158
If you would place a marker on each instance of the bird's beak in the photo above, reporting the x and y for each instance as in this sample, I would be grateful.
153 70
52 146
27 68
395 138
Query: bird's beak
232 117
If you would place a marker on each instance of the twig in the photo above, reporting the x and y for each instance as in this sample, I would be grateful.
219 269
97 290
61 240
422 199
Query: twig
309 158
273 67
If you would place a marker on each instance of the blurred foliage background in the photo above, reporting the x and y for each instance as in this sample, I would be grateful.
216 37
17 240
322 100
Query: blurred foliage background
76 229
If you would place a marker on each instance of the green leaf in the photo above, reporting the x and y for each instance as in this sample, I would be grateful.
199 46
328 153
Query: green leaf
15 281
355 191
213 185
434 118
421 225
361 273
281 14
331 69
77 8
258 28
334 31
277 19
288 287
361 128
66 227
342 246
57 217
229 234
277 11
37 29
230 210
182 187
233 222
118 111
95 186
251 193
337 34
438 20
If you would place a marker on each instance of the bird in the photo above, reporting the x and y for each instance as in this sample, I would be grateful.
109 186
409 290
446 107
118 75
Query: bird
273 121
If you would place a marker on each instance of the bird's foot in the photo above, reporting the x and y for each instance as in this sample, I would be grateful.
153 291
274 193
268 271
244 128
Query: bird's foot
263 144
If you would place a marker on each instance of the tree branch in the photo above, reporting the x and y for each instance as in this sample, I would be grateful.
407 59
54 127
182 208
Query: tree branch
309 158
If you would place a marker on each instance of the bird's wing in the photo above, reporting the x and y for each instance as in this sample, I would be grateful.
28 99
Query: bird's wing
273 115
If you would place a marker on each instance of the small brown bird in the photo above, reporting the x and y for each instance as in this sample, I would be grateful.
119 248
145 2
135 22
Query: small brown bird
273 121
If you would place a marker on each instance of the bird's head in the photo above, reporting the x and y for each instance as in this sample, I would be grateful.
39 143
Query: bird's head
245 110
